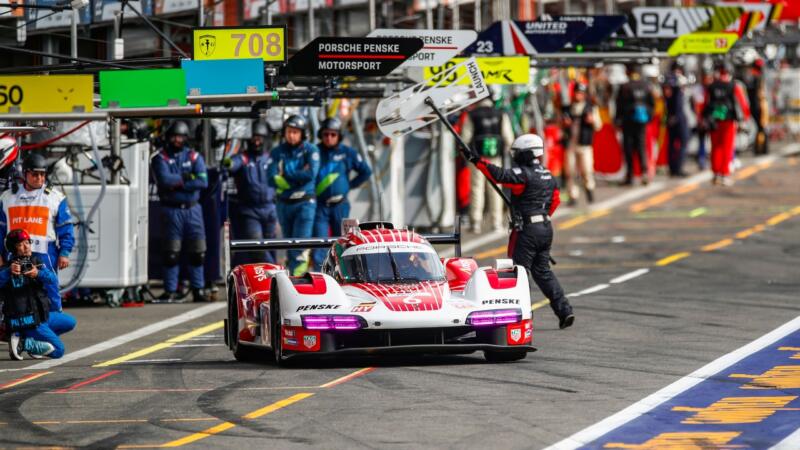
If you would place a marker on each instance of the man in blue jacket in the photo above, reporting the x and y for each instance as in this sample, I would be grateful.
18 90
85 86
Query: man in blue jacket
43 213
254 215
292 171
334 183
180 173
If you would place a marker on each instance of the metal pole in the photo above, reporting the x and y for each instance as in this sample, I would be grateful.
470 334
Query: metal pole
73 33
311 20
375 193
428 15
115 146
200 13
372 15
456 16
477 6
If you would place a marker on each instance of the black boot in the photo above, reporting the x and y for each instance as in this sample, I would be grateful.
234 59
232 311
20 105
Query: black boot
564 313
168 297
200 295
589 195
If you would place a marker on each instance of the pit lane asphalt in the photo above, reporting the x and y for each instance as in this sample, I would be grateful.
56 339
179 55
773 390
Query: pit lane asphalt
630 339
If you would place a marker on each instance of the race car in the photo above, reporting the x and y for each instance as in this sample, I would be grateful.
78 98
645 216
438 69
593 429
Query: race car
380 290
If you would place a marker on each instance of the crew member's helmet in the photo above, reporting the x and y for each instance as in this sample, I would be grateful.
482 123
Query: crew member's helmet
526 148
34 162
296 121
8 151
332 124
178 127
260 129
14 237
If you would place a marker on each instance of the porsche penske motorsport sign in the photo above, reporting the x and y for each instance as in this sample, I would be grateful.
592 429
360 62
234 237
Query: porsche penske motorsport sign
439 45
346 56
46 93
495 70
266 43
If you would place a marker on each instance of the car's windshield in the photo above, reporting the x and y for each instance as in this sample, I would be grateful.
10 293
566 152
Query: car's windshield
397 265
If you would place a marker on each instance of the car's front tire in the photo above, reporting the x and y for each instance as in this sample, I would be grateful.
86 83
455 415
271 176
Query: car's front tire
277 335
241 352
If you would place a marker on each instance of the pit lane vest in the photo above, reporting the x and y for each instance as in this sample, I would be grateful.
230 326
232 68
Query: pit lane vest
35 212
721 101
487 137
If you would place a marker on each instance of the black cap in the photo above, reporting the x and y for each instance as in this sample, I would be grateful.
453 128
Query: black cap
260 129
34 162
178 127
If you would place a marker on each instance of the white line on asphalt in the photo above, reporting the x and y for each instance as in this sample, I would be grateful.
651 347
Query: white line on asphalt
629 276
643 406
125 338
593 289
792 442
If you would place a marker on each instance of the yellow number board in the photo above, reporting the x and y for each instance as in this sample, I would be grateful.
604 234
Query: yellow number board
46 93
268 43
496 70
704 43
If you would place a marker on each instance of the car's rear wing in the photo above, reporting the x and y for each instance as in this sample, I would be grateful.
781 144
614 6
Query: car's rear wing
249 245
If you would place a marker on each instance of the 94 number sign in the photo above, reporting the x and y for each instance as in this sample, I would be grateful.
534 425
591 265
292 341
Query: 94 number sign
268 43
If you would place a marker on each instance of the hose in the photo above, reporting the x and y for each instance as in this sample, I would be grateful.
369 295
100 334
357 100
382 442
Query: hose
83 246
47 142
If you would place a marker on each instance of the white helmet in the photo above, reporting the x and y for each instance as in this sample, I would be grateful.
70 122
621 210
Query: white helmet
8 151
527 143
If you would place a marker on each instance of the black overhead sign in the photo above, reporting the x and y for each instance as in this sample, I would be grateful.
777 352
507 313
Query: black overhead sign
345 56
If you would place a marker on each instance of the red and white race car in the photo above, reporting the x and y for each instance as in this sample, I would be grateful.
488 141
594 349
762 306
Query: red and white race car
380 290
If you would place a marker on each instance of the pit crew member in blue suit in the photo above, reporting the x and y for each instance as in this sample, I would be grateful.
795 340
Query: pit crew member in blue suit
180 173
338 161
292 172
254 215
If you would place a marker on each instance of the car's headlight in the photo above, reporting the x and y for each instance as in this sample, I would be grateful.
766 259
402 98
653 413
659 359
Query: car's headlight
494 317
332 322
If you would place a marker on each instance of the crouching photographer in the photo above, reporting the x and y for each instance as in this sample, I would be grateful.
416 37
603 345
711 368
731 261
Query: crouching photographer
33 320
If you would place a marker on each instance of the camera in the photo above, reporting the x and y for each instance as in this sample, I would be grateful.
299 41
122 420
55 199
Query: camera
25 263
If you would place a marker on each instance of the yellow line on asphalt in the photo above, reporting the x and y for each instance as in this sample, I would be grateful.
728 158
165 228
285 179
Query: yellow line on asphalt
717 245
750 231
228 425
348 377
23 380
162 345
574 222
774 220
672 258
748 172
539 304
497 251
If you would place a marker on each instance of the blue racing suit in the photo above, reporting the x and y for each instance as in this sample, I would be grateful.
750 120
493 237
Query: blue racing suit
292 172
180 176
254 215
57 322
44 214
333 185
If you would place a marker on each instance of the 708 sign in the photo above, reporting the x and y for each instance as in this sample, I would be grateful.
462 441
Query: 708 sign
266 43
